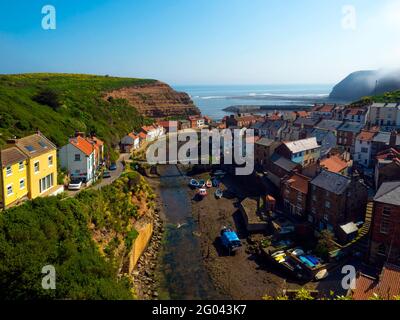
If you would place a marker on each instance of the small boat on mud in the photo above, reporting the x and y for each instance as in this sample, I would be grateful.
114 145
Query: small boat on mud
215 183
193 183
201 184
230 240
202 193
209 184
219 193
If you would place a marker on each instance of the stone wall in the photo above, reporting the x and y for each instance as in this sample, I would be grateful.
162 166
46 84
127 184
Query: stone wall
145 229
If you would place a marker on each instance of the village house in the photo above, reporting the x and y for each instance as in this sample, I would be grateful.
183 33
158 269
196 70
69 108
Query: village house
385 115
326 133
292 133
29 169
386 286
383 141
99 149
336 200
152 132
196 122
324 111
306 123
279 168
346 135
263 150
337 163
129 143
241 120
303 152
385 226
363 147
387 166
356 114
78 158
184 124
169 126
294 192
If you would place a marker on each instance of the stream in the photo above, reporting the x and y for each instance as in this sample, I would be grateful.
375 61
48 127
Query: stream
182 273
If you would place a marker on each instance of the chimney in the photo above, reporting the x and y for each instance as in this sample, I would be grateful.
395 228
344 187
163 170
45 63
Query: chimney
79 134
393 138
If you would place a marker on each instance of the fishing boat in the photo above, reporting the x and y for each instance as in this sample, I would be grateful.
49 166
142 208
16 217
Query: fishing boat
202 192
201 184
215 183
209 184
193 183
219 193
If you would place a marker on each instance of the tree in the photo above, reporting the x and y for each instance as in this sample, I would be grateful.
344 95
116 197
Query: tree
325 244
49 98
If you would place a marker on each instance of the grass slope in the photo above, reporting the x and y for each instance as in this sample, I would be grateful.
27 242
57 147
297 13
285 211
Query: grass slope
81 107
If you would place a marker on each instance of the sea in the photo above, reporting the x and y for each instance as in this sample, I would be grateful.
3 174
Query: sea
212 99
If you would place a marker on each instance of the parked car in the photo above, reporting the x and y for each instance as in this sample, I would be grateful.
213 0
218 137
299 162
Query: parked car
106 174
113 167
75 184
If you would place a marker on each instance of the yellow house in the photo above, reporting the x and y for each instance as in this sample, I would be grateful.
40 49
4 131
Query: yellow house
13 177
40 169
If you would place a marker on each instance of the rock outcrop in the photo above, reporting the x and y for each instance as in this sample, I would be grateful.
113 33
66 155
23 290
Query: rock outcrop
157 100
366 83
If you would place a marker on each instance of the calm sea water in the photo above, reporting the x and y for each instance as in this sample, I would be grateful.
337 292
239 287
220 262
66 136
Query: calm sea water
213 99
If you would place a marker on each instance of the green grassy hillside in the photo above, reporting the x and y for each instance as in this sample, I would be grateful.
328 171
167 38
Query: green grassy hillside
387 97
59 104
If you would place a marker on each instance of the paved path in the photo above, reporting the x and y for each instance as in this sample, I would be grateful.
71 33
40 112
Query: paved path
114 176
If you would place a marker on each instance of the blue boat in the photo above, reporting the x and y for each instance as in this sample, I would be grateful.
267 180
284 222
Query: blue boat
230 240
193 183
215 183
201 184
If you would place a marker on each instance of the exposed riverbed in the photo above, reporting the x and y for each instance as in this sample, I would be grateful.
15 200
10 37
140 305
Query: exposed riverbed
182 273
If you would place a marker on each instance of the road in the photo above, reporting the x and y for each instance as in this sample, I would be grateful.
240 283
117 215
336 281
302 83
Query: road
114 176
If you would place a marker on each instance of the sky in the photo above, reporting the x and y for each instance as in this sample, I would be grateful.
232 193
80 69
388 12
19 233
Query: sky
186 42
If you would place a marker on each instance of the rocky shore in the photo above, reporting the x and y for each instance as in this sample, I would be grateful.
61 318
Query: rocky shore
144 278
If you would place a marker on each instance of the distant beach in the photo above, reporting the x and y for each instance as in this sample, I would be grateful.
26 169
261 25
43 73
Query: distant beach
212 100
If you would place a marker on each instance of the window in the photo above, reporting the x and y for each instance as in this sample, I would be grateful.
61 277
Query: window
9 190
382 250
314 197
364 150
385 222
50 161
327 204
46 183
77 157
22 184
326 217
9 171
21 166
36 166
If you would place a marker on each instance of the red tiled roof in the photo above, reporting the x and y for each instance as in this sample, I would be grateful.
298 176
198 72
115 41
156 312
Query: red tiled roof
148 128
327 108
386 287
334 164
299 182
142 135
366 135
355 111
82 144
97 141
303 114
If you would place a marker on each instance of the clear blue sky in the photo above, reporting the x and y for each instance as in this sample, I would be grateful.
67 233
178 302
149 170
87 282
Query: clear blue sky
201 41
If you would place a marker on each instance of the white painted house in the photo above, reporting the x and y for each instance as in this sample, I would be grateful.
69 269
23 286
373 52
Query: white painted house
153 132
363 148
78 158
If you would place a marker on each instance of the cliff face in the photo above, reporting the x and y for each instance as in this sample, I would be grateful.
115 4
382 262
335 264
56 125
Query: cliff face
157 100
366 83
